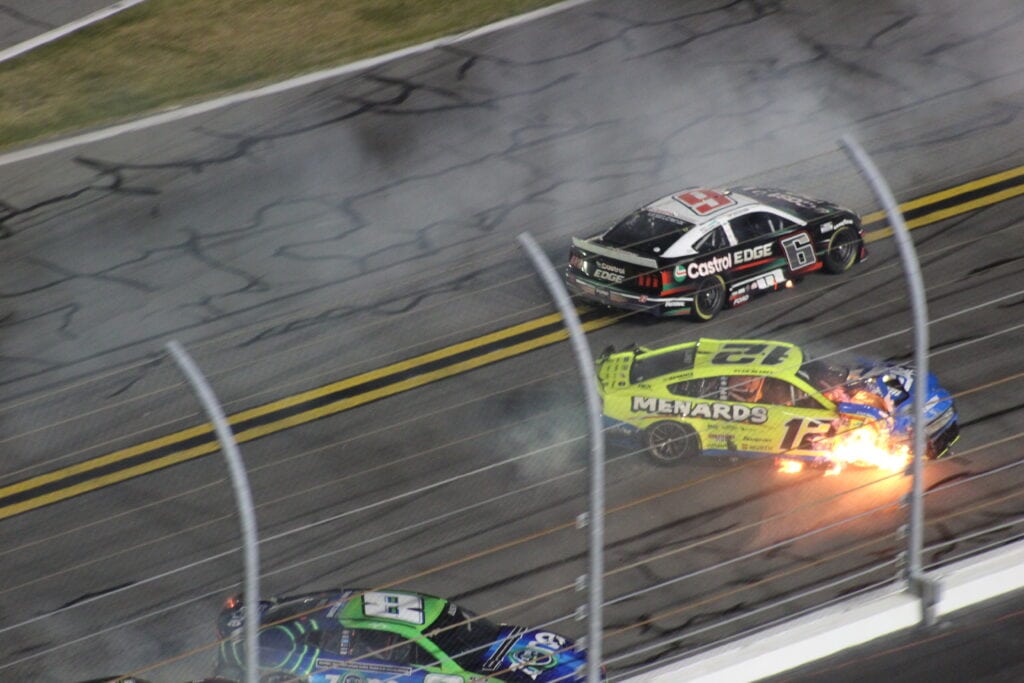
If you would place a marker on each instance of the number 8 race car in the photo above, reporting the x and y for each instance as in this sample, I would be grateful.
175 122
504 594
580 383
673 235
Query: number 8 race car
751 397
699 250
339 636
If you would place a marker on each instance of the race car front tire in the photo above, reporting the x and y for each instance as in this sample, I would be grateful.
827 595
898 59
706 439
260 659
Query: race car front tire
670 443
841 252
709 298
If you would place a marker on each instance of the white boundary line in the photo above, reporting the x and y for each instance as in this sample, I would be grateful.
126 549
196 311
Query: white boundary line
849 623
61 31
180 113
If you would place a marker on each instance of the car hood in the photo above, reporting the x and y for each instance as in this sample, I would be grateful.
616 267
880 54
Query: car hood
523 655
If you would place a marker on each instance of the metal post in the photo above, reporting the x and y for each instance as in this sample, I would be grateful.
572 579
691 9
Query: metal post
585 361
916 580
243 499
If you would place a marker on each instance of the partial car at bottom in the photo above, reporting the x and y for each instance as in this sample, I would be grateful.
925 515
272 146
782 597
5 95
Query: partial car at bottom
700 250
753 397
397 636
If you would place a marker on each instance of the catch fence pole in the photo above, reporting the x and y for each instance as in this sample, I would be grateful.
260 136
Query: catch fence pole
595 518
925 590
243 500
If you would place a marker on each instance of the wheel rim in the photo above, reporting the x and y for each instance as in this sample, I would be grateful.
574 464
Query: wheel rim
670 442
709 298
843 248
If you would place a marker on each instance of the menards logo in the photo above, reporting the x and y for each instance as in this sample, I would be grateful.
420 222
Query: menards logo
729 412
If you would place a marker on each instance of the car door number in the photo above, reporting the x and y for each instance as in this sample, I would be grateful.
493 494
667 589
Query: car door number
799 428
799 251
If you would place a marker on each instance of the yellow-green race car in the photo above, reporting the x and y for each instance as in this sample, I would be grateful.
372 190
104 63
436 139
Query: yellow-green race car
754 397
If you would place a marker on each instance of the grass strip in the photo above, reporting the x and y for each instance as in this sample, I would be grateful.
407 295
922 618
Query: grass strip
171 52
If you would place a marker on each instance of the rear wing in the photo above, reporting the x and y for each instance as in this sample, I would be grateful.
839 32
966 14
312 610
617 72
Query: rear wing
613 253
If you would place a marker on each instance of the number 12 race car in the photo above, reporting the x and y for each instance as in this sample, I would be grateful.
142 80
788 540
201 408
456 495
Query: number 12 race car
697 251
752 397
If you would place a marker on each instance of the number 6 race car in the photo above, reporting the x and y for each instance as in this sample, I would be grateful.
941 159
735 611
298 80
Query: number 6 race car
753 398
699 250
339 636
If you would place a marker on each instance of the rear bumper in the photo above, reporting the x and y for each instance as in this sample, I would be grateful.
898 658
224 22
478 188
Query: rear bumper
600 294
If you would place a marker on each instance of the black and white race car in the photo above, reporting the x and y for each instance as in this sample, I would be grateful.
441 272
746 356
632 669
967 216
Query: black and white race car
696 251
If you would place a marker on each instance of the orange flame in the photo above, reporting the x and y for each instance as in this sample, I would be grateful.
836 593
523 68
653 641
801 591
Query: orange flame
868 447
789 466
865 446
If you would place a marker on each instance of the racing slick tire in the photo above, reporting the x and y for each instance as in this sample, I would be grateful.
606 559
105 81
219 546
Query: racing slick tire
709 298
842 250
670 443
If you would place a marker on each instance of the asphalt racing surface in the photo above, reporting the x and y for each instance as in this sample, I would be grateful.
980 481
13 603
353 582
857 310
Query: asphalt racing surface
21 20
341 261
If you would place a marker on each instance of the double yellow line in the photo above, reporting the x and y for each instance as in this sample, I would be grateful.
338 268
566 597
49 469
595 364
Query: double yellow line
396 378
288 412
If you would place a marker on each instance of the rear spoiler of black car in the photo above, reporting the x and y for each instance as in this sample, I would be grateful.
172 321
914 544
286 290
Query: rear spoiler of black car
613 253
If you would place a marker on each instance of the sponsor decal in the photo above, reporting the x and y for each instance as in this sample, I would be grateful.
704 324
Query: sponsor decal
712 266
538 655
720 264
610 267
609 272
753 253
676 303
741 299
727 412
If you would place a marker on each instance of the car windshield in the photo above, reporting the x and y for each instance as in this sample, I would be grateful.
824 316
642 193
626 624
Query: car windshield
653 365
464 636
646 232
822 376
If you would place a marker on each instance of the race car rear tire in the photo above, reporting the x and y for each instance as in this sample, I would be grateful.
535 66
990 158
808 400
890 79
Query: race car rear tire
841 252
709 298
670 443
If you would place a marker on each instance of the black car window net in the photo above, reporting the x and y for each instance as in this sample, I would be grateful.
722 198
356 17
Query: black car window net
713 241
646 232
750 227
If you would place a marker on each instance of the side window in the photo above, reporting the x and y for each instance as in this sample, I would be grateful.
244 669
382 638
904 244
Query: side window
778 392
781 393
752 226
697 388
744 388
777 223
420 656
368 643
804 400
712 241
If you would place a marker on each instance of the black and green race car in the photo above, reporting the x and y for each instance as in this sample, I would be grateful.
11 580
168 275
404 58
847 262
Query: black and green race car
357 636
697 251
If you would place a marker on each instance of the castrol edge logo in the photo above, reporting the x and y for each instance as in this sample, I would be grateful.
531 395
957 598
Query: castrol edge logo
720 264
609 272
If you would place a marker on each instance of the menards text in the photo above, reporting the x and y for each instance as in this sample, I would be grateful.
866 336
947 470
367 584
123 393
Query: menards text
729 412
